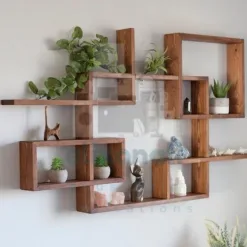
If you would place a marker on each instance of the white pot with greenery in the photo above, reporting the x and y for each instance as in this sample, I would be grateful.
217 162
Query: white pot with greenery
57 173
101 168
219 104
223 237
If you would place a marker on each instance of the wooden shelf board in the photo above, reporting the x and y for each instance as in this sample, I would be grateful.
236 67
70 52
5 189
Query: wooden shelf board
157 77
44 102
210 39
195 78
149 202
109 75
113 102
211 116
205 159
74 142
76 183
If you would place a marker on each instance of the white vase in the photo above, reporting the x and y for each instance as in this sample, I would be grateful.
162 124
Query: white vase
219 106
102 172
59 176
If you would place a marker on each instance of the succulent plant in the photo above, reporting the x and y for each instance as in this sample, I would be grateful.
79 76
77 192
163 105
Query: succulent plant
84 56
155 61
220 90
57 164
100 161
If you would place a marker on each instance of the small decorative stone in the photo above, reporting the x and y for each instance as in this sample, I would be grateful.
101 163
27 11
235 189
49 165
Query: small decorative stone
241 151
229 151
117 198
100 199
176 150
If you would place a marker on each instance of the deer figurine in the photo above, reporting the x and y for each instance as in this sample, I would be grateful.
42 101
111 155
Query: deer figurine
50 132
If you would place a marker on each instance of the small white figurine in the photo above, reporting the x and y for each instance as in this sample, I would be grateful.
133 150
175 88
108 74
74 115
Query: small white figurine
241 151
180 188
229 151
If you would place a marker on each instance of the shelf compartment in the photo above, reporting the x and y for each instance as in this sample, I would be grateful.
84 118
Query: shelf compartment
77 183
157 77
149 202
45 102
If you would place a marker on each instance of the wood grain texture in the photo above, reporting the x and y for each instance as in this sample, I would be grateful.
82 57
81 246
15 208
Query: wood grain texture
44 102
149 202
109 75
209 38
211 116
28 166
235 75
173 89
195 78
200 97
116 159
157 77
77 183
126 90
160 180
200 178
122 100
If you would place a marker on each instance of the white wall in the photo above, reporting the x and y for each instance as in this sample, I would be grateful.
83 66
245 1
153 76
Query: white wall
48 218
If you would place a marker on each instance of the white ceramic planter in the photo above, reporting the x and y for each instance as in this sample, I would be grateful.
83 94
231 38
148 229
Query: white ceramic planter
59 176
219 106
102 172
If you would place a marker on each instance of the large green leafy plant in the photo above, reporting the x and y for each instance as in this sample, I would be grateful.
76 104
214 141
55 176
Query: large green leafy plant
156 61
222 237
220 90
84 56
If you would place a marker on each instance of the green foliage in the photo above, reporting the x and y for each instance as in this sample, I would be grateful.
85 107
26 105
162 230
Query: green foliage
220 90
57 164
84 56
155 61
222 237
100 161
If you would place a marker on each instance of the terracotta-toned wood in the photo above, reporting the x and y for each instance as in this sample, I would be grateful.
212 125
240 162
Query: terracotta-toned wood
28 166
160 180
110 75
149 202
235 75
209 38
116 159
211 116
77 183
195 78
193 160
200 97
50 132
200 178
114 102
173 89
157 77
126 56
44 102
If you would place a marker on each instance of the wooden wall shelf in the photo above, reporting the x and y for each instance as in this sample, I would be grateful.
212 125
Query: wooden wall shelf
126 95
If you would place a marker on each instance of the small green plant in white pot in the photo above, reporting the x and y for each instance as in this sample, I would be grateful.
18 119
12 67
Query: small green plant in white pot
101 168
57 173
219 104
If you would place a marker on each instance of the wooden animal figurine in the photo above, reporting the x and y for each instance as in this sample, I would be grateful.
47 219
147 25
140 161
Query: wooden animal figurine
50 132
137 188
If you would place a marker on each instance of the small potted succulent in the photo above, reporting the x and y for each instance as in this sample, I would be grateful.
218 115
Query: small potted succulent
219 104
57 173
101 168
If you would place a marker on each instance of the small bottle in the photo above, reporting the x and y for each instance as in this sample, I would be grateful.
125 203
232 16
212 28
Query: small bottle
180 188
187 106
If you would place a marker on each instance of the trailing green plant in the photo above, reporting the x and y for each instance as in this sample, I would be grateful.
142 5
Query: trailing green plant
100 161
220 90
156 61
57 164
223 237
84 56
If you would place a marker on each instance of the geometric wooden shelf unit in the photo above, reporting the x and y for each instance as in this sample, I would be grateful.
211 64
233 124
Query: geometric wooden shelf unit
84 140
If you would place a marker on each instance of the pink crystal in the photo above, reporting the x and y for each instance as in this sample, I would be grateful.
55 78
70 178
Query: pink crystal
117 198
100 199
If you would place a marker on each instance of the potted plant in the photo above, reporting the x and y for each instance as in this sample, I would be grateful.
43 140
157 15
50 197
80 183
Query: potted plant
101 169
57 173
219 104
222 237
155 61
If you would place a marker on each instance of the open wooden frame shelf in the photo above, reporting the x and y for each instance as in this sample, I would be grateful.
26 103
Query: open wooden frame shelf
84 140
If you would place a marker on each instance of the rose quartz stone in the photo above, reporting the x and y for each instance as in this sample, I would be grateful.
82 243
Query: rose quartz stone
117 198
100 199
